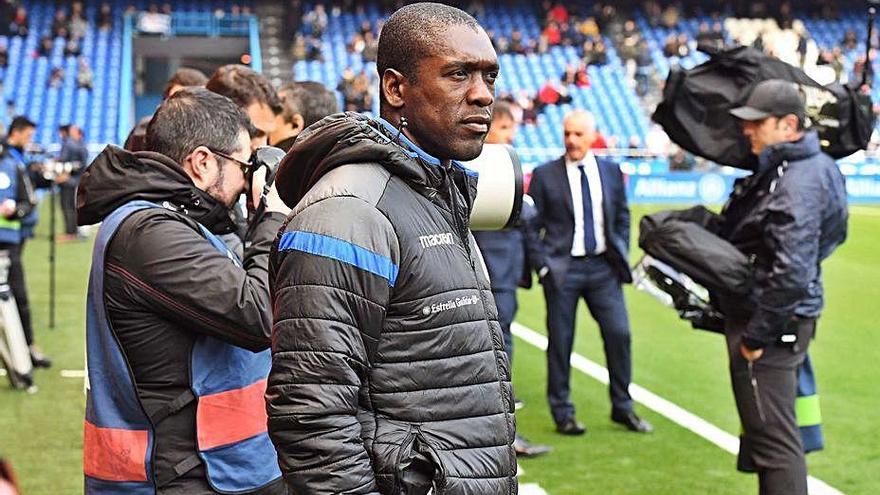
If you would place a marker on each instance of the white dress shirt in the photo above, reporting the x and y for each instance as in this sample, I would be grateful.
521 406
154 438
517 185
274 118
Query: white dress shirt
591 169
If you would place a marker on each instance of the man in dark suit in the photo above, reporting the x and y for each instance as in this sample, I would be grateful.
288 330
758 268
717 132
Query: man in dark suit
585 220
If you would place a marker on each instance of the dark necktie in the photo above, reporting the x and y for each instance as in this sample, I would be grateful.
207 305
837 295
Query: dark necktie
587 202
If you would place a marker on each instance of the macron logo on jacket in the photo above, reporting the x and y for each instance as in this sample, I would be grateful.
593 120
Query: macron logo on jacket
432 240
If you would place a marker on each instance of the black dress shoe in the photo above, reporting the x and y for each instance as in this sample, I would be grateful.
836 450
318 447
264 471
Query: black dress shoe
526 449
631 421
570 426
38 359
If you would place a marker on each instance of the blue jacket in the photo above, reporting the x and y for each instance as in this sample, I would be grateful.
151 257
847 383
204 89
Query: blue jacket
788 216
10 159
510 254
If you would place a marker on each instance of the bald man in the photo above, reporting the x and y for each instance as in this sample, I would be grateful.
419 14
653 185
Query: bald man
585 221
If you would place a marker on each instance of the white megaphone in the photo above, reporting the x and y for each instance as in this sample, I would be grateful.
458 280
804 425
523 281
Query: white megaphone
499 188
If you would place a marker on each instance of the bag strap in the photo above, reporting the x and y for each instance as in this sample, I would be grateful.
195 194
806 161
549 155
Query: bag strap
173 407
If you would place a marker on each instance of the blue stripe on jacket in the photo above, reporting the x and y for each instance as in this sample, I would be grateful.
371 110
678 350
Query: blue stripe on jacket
340 250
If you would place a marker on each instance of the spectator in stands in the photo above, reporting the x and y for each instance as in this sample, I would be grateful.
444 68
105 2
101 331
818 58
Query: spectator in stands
576 76
7 12
670 17
298 48
850 41
4 55
314 50
78 24
72 48
366 27
84 76
303 103
554 36
552 93
558 13
184 77
357 44
154 22
517 44
371 47
249 90
589 28
644 68
104 19
60 24
598 54
316 20
56 77
784 16
45 47
527 103
20 25
502 45
629 42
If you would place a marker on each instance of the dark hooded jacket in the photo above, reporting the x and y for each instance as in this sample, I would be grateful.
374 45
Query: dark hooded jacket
165 284
389 372
786 217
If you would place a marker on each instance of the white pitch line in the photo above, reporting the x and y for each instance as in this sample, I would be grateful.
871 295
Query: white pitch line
865 210
665 408
73 373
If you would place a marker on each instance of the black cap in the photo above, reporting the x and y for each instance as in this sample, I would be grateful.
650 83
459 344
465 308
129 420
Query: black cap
771 98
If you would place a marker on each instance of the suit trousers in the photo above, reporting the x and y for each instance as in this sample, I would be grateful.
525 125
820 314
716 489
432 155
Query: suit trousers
593 279
68 207
505 301
765 399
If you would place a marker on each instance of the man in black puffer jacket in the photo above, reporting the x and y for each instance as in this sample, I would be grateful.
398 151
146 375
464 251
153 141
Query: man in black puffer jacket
389 372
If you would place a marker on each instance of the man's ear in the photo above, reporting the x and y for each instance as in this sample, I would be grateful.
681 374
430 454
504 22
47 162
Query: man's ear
393 88
198 166
298 124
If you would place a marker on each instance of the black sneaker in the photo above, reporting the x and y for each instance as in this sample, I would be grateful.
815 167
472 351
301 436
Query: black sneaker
39 359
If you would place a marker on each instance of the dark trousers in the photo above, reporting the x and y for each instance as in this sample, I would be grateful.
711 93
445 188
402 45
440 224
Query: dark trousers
765 399
68 207
19 289
592 279
505 301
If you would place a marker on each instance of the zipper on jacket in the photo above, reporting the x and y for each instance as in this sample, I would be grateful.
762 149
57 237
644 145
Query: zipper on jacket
460 228
406 446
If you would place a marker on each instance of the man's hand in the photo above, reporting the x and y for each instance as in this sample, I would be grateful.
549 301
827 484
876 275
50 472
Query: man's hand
273 201
750 355
7 208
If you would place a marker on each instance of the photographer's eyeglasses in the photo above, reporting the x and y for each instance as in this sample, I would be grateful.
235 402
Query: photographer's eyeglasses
245 166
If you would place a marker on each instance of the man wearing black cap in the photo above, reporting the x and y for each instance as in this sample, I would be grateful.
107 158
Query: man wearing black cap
787 217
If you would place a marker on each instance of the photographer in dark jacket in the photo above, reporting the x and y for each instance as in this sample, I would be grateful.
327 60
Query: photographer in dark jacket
389 373
178 326
788 216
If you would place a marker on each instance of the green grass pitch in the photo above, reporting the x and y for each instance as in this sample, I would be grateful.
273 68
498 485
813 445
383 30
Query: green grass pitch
42 433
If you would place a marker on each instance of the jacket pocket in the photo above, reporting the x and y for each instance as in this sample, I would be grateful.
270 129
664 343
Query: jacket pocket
433 455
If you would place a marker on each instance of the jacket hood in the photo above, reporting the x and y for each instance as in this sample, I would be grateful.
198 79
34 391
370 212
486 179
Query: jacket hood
352 138
804 148
117 176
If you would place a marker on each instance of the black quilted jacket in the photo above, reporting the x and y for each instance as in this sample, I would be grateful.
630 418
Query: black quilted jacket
389 373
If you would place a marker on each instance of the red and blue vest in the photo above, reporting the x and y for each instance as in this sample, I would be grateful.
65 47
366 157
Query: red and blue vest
227 382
